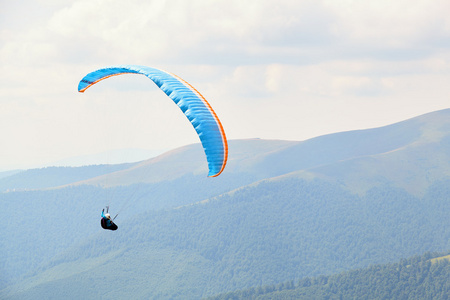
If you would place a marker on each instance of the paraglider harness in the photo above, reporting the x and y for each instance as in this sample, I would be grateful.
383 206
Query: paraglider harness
107 223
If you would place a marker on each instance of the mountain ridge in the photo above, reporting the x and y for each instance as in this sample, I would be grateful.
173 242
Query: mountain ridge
267 158
282 210
312 153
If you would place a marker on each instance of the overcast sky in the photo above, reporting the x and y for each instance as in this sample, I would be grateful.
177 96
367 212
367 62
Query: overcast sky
271 69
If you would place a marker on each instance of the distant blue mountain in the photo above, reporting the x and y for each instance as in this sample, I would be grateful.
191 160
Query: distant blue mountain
280 211
54 176
118 156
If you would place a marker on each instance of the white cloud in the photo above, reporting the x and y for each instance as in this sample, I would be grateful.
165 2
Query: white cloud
284 69
394 23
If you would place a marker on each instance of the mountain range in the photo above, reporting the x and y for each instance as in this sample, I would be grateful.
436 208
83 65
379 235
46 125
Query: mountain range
281 210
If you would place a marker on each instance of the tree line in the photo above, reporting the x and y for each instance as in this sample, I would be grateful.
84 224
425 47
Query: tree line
419 277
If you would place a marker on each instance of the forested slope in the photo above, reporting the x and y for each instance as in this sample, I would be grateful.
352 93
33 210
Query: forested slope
420 277
268 233
281 211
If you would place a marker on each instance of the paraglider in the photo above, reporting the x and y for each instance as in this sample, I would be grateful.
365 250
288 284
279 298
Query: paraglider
194 106
106 222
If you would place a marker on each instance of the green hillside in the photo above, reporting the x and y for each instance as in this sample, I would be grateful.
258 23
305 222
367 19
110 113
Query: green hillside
49 221
412 167
269 233
281 211
415 278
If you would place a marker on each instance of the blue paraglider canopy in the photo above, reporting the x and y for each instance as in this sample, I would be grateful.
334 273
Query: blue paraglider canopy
194 106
